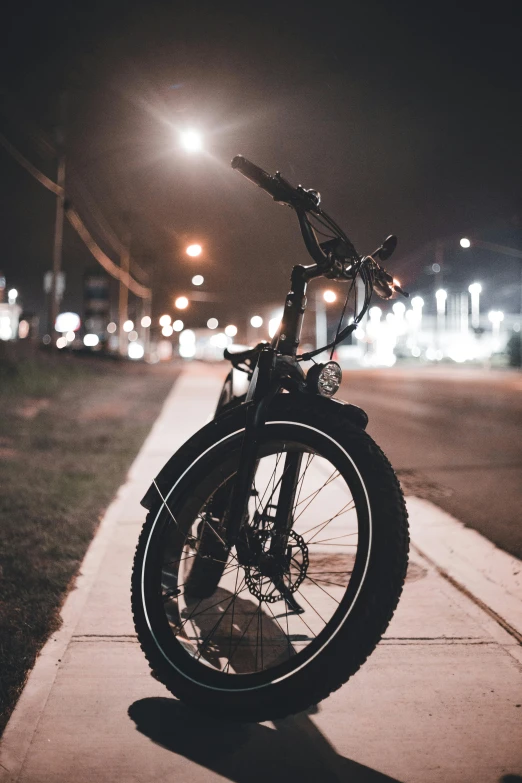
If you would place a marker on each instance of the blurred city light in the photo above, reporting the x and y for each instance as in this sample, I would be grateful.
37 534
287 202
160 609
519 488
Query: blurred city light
111 327
212 323
178 325
231 330
194 250
181 303
146 321
495 316
61 342
167 330
67 322
375 313
133 336
90 340
70 336
465 242
165 320
441 295
191 140
23 329
399 308
273 325
187 344
475 290
12 295
220 340
198 280
256 321
135 351
329 296
128 326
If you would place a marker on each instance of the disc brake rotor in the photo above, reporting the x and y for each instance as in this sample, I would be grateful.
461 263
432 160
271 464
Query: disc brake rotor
273 577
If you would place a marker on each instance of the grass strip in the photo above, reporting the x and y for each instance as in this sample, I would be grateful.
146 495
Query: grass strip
70 428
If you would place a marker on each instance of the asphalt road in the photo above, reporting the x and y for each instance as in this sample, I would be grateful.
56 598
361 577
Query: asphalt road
454 436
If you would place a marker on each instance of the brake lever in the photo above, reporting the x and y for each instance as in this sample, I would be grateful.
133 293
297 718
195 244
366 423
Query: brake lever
385 285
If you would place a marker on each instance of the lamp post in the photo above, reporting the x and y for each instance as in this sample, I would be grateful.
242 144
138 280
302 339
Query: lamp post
321 325
475 290
514 252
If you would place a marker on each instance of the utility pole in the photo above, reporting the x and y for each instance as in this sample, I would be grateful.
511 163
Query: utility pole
123 301
60 204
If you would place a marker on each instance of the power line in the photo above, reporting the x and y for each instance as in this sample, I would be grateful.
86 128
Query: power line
102 258
77 223
28 166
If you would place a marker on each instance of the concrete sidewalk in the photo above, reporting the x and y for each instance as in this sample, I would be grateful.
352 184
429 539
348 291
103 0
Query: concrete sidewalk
439 700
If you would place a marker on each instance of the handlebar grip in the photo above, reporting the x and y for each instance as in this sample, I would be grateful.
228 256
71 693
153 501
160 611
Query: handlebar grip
260 178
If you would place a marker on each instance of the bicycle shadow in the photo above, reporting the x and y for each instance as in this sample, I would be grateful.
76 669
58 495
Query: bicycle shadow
249 752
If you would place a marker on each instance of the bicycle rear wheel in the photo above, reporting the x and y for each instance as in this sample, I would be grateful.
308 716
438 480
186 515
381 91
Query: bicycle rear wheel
278 633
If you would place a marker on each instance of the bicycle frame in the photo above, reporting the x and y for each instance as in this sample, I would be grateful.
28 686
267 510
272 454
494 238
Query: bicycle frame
276 364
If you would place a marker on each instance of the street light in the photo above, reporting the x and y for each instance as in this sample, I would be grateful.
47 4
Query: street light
212 323
231 330
165 320
198 280
194 250
496 317
256 321
465 242
321 322
191 140
181 303
128 326
475 290
146 321
178 325
12 295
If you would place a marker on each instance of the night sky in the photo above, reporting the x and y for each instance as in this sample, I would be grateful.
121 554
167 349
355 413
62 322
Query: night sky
406 116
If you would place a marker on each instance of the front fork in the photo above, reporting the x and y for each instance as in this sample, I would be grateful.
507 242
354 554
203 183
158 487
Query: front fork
264 386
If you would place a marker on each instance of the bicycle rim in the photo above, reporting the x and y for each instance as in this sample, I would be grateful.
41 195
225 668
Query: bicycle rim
255 630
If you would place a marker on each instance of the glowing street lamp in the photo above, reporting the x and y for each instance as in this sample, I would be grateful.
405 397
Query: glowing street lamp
475 290
441 295
198 280
329 296
465 243
181 303
194 250
321 323
191 140
256 321
496 317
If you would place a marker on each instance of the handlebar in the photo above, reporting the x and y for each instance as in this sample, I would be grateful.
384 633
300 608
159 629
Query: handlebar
259 177
278 187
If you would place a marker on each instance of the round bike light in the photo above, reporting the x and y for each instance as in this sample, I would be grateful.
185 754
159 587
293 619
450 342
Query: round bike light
324 379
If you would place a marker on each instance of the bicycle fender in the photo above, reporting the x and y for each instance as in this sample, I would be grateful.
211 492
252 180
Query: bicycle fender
233 418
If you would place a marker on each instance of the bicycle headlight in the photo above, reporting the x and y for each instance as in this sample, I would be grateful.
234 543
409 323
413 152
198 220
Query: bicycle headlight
324 379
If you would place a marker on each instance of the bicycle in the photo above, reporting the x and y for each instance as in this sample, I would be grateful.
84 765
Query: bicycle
276 544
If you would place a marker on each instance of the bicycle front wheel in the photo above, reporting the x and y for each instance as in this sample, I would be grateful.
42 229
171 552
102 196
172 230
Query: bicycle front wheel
278 632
